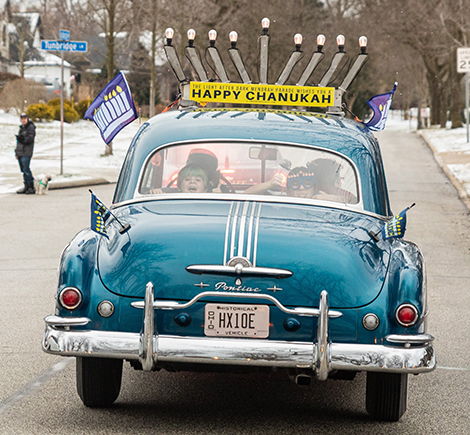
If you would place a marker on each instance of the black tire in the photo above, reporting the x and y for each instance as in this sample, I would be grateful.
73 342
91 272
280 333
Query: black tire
98 381
386 395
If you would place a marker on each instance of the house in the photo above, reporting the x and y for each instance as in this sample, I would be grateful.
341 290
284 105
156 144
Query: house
21 53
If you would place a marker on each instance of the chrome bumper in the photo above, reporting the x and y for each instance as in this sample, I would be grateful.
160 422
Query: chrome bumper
409 354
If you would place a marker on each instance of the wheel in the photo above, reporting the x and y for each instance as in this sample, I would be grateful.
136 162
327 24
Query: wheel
98 381
386 395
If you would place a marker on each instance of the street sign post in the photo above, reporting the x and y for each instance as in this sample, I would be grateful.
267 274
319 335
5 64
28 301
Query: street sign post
64 44
463 66
64 35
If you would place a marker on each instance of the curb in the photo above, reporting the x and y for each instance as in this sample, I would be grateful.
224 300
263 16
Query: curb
68 184
463 194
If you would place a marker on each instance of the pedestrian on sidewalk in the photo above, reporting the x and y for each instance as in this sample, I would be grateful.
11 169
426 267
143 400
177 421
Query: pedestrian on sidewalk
24 152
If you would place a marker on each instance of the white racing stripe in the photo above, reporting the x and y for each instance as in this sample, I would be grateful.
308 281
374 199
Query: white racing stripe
241 233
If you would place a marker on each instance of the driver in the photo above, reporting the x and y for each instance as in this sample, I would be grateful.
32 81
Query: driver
192 178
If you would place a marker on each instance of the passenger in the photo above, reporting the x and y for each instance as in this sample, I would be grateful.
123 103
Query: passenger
300 183
328 181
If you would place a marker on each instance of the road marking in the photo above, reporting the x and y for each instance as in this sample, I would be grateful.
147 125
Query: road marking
33 385
454 368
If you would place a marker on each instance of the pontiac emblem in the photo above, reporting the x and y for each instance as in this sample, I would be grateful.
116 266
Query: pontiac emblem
274 289
238 282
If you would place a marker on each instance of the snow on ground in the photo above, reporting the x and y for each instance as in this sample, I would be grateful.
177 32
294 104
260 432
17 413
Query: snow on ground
452 146
82 152
83 149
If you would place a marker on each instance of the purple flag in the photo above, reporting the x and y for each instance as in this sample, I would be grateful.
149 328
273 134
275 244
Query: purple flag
380 105
113 108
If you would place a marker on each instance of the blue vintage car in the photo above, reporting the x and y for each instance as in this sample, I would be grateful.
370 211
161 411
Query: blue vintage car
247 239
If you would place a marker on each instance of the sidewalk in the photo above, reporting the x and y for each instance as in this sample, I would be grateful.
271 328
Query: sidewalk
452 152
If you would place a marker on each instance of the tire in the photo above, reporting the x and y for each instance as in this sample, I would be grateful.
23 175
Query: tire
386 395
98 381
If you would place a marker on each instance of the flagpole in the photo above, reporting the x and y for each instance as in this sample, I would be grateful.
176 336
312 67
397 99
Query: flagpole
62 115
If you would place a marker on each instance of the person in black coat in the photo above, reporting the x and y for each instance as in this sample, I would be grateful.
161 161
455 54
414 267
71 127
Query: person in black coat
24 152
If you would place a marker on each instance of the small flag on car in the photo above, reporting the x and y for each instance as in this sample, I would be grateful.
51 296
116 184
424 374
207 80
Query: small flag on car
99 214
380 104
396 227
113 108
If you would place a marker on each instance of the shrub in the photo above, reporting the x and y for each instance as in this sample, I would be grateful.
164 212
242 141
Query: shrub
70 114
81 107
40 112
55 102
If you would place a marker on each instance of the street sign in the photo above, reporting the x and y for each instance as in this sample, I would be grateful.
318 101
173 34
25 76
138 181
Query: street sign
64 46
463 60
64 35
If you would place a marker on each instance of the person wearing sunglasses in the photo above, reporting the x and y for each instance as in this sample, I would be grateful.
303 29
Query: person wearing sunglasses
300 183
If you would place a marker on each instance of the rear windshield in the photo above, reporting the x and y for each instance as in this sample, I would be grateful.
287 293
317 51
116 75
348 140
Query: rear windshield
250 168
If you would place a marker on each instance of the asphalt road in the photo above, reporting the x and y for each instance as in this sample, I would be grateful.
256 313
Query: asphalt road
37 391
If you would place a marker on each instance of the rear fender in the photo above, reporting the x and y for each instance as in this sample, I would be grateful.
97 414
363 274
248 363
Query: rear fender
407 282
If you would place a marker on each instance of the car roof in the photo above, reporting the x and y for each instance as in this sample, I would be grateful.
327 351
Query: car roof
335 133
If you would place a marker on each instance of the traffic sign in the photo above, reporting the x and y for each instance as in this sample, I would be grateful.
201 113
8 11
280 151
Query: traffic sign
64 46
463 60
64 35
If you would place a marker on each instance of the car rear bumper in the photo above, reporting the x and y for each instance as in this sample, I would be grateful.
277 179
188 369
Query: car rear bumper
405 354
246 352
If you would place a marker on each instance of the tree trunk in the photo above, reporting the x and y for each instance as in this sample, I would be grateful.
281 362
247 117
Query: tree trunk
456 100
152 66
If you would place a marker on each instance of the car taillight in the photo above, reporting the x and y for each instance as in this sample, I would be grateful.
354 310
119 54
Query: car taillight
406 315
70 298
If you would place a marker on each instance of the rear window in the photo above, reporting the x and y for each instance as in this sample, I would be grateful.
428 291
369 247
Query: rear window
250 168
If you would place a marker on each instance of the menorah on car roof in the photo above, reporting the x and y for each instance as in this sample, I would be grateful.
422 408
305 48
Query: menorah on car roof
217 66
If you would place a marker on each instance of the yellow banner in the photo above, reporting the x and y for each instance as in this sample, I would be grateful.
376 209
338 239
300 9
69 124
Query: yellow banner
238 93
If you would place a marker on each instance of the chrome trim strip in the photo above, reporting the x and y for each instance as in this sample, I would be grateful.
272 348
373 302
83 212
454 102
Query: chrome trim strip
246 197
243 352
298 311
249 241
230 270
322 347
241 232
227 233
234 231
60 322
146 349
409 339
255 242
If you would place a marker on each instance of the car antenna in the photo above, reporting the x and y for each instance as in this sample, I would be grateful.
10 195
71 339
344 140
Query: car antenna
125 227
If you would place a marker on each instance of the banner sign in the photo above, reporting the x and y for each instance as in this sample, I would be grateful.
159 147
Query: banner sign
239 93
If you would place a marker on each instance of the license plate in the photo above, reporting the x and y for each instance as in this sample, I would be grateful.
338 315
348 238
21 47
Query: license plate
237 321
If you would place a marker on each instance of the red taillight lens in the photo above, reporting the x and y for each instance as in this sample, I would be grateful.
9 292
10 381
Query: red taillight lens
407 315
70 298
